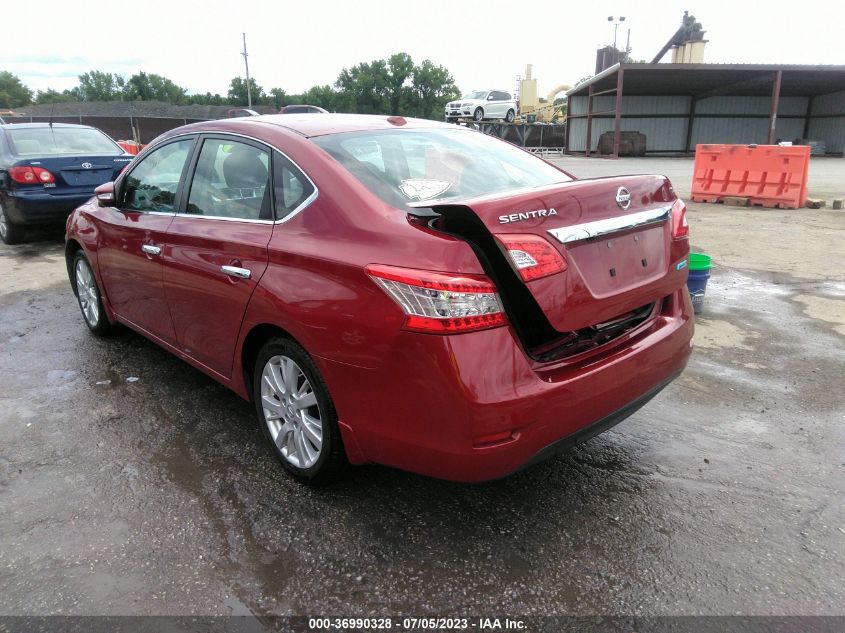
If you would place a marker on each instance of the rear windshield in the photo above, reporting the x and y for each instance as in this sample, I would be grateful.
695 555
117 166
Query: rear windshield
403 166
55 141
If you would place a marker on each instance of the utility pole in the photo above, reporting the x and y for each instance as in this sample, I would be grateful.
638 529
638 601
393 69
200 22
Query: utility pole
246 66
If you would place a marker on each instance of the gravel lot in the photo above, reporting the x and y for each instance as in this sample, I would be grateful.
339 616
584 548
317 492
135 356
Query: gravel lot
132 484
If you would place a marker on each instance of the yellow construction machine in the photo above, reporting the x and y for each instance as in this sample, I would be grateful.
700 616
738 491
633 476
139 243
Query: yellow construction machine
530 107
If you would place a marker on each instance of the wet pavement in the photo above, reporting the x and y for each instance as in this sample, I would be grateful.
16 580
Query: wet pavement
130 483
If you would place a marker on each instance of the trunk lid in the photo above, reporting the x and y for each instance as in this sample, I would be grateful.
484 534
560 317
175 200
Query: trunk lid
620 255
79 173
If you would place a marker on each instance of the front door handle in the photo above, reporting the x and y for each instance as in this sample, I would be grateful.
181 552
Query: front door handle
149 249
235 271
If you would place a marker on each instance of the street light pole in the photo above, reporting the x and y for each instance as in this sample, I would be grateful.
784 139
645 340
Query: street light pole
616 22
246 66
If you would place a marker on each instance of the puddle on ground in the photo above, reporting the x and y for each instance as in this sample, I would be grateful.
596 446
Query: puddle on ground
824 309
718 334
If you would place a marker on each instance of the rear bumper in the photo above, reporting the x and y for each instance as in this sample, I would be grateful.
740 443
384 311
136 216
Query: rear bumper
473 407
37 207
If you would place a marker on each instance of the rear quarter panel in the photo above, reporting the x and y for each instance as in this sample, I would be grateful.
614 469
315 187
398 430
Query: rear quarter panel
315 286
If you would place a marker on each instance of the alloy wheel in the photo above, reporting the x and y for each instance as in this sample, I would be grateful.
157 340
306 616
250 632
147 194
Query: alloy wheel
86 290
291 412
4 225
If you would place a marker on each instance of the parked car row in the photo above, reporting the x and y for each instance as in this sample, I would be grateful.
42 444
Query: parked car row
390 290
46 170
236 113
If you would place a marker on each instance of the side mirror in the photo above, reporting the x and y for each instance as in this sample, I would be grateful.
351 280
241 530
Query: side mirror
105 194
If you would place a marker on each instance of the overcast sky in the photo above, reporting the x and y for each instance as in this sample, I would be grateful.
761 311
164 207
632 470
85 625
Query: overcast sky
295 45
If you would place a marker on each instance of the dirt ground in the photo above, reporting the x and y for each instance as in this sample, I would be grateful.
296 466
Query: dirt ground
132 484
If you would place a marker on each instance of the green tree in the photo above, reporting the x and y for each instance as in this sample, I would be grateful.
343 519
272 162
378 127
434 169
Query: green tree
206 99
278 97
238 92
364 88
152 87
100 86
433 87
323 96
394 86
400 70
13 93
54 96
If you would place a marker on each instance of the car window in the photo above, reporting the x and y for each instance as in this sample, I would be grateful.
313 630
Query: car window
230 181
505 96
420 164
56 140
152 183
292 187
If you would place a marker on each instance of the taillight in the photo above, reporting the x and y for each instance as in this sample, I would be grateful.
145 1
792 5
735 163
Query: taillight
680 226
532 256
31 175
440 302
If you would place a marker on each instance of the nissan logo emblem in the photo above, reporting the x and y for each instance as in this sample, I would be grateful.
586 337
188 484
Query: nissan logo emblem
89 166
623 198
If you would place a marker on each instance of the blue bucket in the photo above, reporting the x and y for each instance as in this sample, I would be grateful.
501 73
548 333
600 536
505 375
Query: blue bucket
699 273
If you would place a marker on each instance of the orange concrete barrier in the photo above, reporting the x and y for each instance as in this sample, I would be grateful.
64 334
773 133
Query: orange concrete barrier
767 175
131 147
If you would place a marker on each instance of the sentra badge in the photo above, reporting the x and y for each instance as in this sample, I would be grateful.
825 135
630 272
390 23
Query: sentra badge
526 215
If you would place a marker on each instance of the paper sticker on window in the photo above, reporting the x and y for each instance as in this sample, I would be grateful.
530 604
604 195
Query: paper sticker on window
422 189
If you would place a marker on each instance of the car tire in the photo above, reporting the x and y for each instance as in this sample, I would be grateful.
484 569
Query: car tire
295 409
478 115
10 233
510 116
88 296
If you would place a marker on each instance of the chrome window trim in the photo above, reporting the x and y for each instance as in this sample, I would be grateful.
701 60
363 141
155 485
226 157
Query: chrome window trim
598 228
121 177
299 209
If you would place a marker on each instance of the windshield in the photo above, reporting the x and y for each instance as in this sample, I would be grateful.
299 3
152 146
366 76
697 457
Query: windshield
478 94
403 166
55 140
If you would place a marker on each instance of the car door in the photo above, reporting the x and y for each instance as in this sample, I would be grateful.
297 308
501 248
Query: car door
501 104
217 246
132 237
507 103
491 109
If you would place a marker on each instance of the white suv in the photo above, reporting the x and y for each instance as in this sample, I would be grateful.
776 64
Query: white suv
483 104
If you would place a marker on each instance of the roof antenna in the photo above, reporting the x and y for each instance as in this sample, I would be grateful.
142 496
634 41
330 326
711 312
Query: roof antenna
52 107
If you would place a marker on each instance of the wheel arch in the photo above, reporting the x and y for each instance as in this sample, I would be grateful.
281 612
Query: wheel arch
253 342
72 247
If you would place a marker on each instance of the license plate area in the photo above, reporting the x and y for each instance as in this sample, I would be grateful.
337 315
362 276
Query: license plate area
621 262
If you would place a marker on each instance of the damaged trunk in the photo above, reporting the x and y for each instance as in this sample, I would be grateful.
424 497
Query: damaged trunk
616 257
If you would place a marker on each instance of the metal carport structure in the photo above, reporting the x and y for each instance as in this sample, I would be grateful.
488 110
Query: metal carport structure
680 105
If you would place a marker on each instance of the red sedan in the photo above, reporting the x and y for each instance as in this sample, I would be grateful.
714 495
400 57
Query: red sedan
391 290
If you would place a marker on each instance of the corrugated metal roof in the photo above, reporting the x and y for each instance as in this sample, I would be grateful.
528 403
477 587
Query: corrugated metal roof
723 79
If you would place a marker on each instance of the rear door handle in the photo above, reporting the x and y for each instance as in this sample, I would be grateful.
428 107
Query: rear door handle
149 249
235 271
